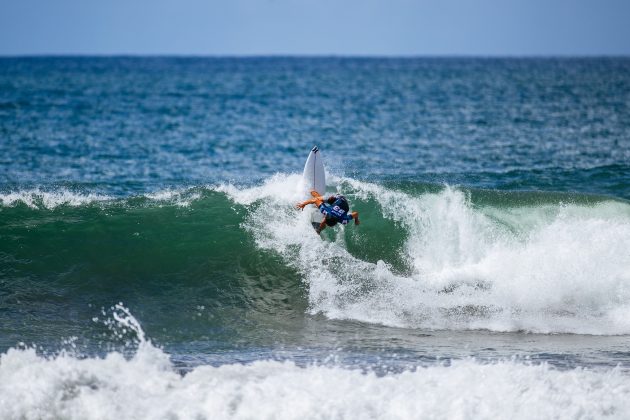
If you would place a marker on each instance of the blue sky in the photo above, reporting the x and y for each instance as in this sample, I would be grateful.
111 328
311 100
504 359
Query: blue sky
322 27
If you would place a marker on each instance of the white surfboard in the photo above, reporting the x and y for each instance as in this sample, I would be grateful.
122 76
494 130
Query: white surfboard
314 178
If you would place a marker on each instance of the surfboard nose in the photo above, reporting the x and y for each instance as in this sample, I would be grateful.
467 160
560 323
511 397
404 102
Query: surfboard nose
315 149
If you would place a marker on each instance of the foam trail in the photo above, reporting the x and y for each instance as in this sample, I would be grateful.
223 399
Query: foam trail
546 268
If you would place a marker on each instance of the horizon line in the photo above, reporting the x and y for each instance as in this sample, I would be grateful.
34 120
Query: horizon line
303 55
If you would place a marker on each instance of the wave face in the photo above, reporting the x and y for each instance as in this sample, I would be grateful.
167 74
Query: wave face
146 386
178 257
424 257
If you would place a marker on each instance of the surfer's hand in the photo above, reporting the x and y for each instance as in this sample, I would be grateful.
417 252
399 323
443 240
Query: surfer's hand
300 206
355 216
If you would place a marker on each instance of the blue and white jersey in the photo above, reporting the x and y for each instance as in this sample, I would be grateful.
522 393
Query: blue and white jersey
338 209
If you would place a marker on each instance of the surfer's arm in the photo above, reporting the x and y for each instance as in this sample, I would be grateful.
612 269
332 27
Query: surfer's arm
316 200
305 203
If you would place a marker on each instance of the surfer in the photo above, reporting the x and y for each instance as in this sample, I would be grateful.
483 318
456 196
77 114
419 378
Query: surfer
334 208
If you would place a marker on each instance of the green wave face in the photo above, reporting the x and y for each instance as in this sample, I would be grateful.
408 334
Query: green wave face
185 262
200 263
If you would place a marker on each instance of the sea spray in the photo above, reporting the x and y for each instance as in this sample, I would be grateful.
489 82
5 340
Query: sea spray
145 385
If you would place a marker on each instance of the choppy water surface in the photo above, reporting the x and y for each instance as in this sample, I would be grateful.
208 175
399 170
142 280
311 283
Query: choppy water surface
152 264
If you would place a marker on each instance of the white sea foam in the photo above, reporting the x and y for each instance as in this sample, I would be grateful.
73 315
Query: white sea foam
179 197
280 188
547 268
146 387
38 198
50 199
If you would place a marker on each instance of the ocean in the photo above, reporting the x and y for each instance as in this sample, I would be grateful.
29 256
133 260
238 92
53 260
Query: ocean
152 263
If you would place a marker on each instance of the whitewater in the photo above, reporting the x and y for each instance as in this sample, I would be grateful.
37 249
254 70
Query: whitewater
545 268
147 386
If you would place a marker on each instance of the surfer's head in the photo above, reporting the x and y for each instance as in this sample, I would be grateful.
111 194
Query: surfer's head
331 221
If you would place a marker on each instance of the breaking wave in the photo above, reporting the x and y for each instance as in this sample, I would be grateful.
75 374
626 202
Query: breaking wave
425 256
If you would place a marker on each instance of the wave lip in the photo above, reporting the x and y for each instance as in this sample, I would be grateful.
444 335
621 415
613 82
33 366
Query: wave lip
37 198
50 199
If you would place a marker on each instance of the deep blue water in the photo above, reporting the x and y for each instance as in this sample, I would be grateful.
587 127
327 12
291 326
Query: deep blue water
139 123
